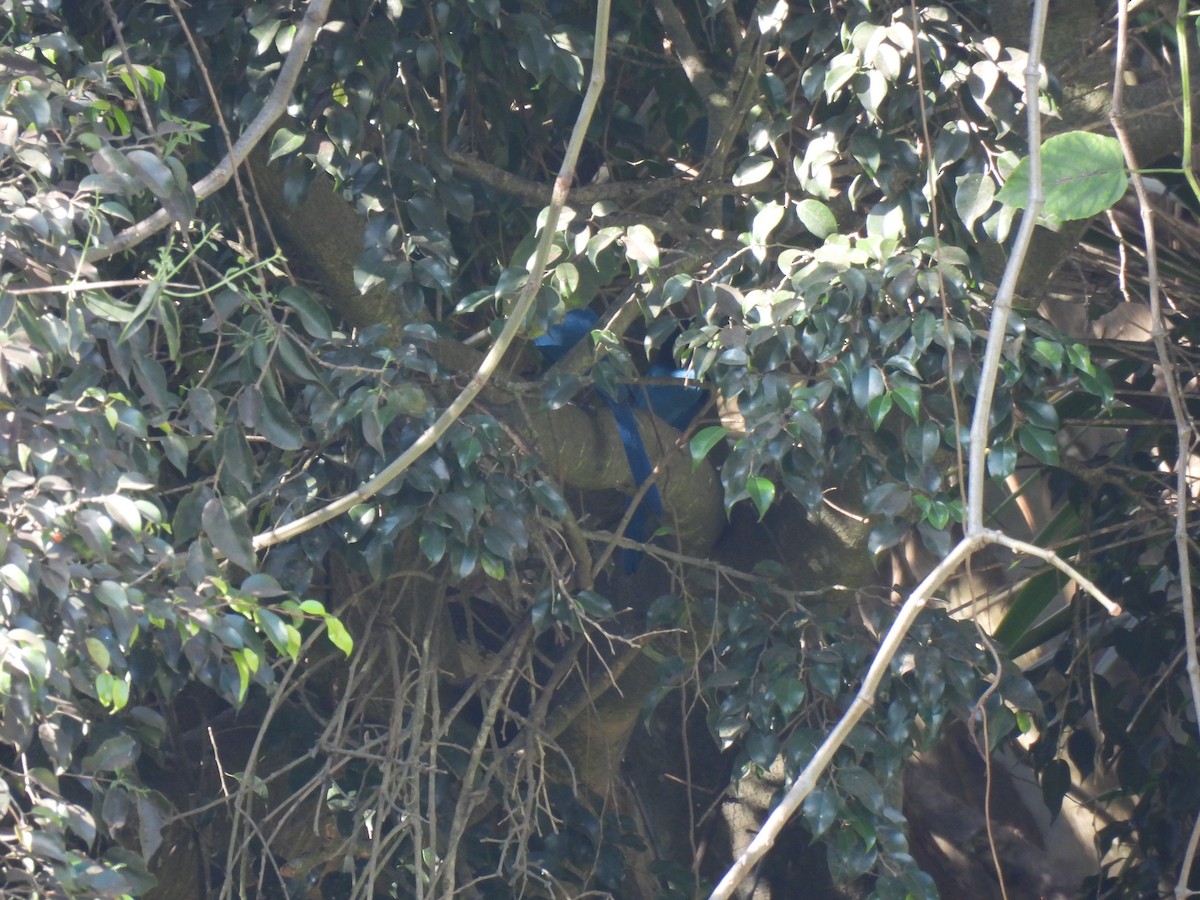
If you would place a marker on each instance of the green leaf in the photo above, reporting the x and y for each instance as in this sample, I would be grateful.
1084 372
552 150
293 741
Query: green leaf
878 408
111 691
150 295
1039 443
594 605
1049 352
124 512
753 170
14 576
338 635
312 314
237 461
820 810
762 492
152 172
312 608
168 318
765 221
1081 358
937 513
120 694
98 652
1083 174
225 524
1040 414
463 559
548 498
243 661
1002 459
888 499
907 396
406 398
789 695
816 217
1098 384
112 595
973 198
762 747
703 441
433 542
275 629
862 785
276 424
866 386
641 247
261 585
1056 781
115 754
1031 601
492 567
284 142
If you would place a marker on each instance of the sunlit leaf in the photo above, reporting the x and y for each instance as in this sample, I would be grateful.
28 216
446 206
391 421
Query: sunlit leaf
338 635
1083 174
703 441
762 493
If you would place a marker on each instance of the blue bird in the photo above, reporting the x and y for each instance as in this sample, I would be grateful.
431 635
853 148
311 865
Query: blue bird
675 405
559 339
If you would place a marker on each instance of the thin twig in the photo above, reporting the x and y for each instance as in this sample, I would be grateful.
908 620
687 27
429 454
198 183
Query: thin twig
1053 559
221 123
1167 371
135 83
74 286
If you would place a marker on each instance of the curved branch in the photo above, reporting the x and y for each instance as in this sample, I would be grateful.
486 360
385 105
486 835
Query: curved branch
273 108
1185 434
976 536
515 323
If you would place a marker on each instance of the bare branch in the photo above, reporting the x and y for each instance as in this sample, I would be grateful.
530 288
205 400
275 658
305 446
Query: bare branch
1053 559
640 192
273 108
807 780
1184 433
976 535
1002 304
514 325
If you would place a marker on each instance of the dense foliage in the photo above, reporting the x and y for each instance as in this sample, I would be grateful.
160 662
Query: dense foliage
459 686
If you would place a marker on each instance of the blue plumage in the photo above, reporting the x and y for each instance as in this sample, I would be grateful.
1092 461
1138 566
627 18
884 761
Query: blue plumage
560 338
675 405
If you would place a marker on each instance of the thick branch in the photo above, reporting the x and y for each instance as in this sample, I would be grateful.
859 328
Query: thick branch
693 66
581 447
584 450
324 231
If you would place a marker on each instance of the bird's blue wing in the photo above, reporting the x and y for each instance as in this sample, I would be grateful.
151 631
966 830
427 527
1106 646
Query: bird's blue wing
560 338
554 345
675 404
651 506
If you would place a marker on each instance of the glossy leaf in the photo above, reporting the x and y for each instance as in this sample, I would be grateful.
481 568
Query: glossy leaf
1083 174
